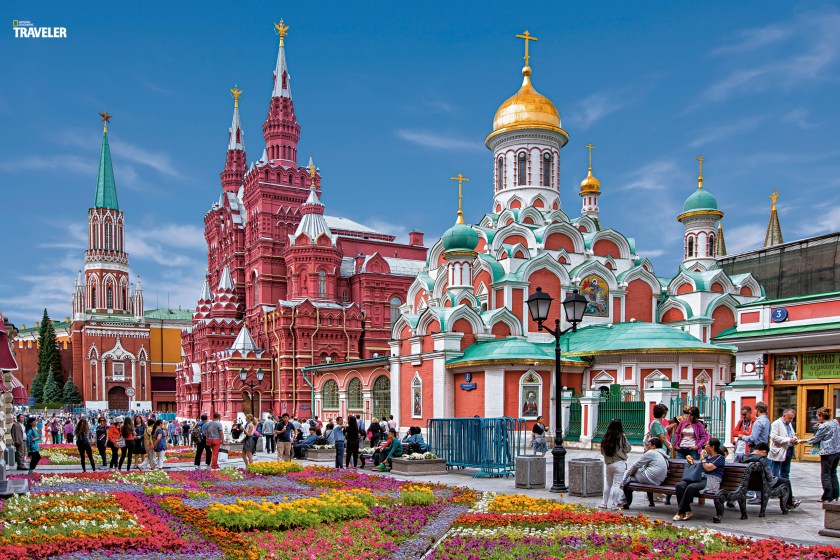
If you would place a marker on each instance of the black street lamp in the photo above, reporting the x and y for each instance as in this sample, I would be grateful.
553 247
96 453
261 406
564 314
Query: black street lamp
575 307
243 375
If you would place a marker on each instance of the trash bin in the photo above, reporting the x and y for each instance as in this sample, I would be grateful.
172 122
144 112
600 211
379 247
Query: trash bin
586 477
530 472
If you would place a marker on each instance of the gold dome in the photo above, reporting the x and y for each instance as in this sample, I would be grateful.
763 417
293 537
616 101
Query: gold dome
590 184
527 109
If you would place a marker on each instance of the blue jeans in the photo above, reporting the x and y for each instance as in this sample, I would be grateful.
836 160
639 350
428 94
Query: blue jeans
683 452
339 454
781 469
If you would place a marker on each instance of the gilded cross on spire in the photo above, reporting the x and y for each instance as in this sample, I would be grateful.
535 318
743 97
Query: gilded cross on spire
106 118
590 147
460 178
311 168
236 93
282 30
773 196
527 37
700 176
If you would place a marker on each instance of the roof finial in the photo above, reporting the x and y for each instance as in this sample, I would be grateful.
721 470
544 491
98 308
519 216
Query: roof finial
700 176
773 196
282 30
237 93
460 178
590 147
106 118
311 168
527 37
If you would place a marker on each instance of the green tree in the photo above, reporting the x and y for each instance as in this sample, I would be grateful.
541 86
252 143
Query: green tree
52 389
49 356
71 393
36 390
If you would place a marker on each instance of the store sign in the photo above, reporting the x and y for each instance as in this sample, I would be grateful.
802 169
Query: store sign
821 366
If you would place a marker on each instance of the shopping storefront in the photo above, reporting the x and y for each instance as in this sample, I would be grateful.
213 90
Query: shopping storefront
788 356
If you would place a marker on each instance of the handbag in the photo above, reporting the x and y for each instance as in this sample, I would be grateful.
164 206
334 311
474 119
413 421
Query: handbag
119 443
694 473
160 445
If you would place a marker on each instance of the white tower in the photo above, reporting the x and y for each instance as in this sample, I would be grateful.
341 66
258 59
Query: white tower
700 217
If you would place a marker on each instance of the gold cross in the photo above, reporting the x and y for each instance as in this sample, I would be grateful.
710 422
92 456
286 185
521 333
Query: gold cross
282 30
773 198
236 92
590 147
700 176
527 37
106 118
460 178
311 168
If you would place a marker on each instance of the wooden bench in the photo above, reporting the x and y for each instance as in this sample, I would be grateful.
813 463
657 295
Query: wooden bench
730 487
364 458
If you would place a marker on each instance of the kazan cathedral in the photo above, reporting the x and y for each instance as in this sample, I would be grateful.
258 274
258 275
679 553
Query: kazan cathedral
465 345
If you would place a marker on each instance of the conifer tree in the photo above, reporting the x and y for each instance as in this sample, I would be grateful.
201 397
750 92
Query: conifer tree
49 356
71 393
52 389
36 390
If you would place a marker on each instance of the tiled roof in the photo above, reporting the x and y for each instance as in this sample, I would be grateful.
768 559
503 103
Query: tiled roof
633 337
166 313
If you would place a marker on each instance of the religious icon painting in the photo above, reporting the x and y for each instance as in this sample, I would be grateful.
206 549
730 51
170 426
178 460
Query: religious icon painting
529 395
597 294
416 397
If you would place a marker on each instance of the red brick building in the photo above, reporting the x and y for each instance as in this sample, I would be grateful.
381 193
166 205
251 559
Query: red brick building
287 286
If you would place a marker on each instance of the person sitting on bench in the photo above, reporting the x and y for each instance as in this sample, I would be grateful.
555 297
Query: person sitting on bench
413 441
651 468
712 461
759 454
392 448
304 444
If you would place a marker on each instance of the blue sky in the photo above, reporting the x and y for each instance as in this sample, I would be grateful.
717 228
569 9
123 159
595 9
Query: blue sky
394 99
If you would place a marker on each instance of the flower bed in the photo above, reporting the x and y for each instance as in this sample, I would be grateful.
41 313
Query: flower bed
68 454
283 511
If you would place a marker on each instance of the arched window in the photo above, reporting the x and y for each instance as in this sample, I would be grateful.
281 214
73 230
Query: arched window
96 235
500 171
108 236
395 309
92 297
382 397
329 395
691 246
256 289
546 174
109 297
416 397
124 303
710 247
322 283
354 394
521 168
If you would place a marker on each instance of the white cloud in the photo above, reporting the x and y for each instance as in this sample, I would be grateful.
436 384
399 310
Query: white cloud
400 231
39 163
798 53
799 117
594 108
652 253
654 176
827 221
713 134
744 238
158 161
436 140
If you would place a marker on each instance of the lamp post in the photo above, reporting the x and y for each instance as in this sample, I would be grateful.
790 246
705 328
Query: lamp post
243 375
575 307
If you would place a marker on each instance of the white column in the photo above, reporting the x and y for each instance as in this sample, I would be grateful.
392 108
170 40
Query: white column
396 405
589 415
494 392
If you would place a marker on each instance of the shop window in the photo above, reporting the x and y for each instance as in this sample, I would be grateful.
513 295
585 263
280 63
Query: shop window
785 367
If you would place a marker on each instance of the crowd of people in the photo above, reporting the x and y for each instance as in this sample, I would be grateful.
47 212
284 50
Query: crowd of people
755 439
142 439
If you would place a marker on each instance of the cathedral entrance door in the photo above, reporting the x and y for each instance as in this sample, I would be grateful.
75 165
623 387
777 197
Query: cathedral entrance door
117 399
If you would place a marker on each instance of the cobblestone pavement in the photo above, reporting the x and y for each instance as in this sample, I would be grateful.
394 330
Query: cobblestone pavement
800 526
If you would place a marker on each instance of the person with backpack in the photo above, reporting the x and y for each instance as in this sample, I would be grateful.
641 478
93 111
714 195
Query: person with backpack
374 432
614 448
199 435
102 440
115 441
149 442
160 442
336 437
268 432
83 443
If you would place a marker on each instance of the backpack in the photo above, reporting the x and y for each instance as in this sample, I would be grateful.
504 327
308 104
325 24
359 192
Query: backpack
195 433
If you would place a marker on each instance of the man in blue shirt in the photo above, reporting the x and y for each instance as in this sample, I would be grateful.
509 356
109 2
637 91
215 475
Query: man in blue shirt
201 444
760 434
336 437
306 443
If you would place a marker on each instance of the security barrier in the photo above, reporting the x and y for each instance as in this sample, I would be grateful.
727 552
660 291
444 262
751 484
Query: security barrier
488 444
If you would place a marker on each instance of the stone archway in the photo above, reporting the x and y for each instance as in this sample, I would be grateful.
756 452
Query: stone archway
117 399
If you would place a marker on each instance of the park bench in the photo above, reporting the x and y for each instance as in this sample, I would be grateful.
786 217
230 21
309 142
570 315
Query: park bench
737 480
364 458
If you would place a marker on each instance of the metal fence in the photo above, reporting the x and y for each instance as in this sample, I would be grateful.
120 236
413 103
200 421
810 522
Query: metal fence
488 444
712 412
630 412
573 428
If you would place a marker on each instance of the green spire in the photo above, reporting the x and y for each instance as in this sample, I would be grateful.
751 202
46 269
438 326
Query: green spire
106 187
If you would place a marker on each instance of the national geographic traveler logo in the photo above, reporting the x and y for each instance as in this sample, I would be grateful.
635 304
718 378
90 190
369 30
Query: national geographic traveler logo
26 30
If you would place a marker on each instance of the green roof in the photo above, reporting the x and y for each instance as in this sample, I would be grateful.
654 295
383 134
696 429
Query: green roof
632 337
460 237
106 187
509 350
701 199
56 325
165 313
733 334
